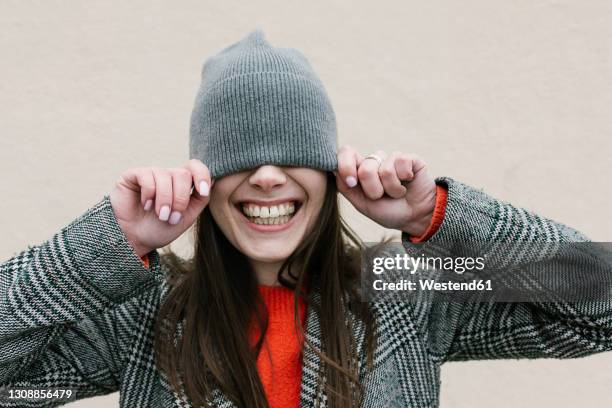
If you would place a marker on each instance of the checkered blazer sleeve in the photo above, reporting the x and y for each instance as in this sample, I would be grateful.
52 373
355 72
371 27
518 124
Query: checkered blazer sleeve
67 307
489 330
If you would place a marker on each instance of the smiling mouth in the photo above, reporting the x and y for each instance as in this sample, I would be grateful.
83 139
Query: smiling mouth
277 214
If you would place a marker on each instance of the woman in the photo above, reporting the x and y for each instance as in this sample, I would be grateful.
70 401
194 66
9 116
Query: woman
268 311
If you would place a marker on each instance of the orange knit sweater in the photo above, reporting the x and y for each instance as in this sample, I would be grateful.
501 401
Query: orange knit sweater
280 363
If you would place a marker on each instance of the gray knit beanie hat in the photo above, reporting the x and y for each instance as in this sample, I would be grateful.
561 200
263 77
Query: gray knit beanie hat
258 104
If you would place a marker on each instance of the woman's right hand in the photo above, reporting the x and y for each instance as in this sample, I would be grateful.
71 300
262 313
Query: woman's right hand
154 206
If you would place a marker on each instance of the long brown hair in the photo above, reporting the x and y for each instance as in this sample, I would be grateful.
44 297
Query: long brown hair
213 299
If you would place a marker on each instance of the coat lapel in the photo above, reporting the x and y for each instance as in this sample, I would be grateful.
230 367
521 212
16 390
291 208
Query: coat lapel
311 363
310 360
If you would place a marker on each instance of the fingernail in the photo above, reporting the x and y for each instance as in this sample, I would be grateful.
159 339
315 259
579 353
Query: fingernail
164 213
204 189
351 181
148 205
175 217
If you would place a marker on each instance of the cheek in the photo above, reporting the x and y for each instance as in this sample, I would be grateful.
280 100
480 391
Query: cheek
215 209
317 197
220 213
313 217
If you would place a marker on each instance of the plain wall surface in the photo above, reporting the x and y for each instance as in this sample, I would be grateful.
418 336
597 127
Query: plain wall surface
513 97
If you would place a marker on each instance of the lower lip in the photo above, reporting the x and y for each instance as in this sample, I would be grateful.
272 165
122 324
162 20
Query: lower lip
270 228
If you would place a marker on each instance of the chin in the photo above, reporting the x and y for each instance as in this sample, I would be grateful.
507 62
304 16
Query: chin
268 255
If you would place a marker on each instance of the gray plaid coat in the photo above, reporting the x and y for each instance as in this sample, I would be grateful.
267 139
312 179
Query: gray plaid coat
77 311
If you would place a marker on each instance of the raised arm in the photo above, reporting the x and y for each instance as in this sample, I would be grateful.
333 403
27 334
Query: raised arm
397 192
65 303
488 330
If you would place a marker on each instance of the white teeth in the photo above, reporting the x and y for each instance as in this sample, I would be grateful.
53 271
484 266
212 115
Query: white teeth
271 221
272 215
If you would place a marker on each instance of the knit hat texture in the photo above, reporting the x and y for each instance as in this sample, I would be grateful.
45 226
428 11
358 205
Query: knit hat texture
259 104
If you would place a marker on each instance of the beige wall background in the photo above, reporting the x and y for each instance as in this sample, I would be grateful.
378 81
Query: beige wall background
513 97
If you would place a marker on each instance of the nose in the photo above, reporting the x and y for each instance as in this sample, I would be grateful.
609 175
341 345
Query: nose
267 178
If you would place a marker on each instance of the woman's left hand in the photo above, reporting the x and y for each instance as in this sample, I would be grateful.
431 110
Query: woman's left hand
397 193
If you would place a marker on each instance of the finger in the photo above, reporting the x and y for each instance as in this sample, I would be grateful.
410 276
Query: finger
417 163
201 176
404 167
147 188
389 178
354 195
367 174
181 186
347 166
163 193
200 195
141 180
